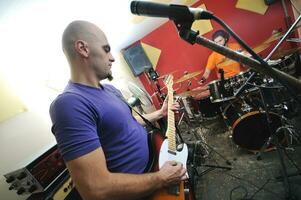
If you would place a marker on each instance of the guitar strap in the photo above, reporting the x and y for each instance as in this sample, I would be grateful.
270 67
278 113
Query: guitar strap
146 121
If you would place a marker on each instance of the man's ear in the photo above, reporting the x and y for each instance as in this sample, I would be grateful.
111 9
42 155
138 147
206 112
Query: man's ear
81 47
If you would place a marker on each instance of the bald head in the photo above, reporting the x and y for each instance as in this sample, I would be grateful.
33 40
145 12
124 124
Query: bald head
88 53
79 30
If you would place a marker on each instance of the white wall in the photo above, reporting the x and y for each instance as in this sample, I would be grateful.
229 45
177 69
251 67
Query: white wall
33 63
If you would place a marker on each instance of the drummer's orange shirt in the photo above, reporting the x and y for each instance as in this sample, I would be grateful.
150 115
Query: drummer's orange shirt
215 58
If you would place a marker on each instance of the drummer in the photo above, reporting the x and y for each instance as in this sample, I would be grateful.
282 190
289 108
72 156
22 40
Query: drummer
216 60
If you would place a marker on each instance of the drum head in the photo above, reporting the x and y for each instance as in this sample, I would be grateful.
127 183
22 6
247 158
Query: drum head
251 131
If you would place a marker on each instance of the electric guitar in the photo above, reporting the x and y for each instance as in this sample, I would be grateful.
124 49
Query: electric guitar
168 152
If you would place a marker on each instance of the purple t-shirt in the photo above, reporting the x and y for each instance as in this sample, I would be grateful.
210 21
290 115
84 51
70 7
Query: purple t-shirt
85 118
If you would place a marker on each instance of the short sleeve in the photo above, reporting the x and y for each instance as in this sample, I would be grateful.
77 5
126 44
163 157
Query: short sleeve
74 126
235 47
211 62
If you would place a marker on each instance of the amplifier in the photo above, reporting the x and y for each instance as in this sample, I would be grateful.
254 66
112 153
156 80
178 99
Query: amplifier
39 175
61 189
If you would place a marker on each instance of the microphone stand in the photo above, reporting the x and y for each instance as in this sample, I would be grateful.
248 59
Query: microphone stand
153 75
162 96
292 84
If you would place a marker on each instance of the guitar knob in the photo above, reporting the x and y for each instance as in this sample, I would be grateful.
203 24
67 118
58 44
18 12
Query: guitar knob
32 188
21 190
22 175
10 179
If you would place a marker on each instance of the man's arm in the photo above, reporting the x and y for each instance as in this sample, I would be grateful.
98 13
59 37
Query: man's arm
205 75
95 182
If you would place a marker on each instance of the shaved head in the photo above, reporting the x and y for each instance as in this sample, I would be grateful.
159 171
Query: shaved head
87 51
79 30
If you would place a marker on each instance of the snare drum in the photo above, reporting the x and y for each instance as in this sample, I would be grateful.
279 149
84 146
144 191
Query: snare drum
249 125
221 91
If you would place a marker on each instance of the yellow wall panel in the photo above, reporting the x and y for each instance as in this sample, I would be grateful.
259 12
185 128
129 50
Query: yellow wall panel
257 6
188 2
203 26
152 53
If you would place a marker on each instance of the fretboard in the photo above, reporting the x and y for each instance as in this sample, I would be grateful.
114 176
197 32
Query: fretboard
171 130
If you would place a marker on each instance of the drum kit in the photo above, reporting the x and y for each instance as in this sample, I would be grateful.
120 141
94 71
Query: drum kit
244 114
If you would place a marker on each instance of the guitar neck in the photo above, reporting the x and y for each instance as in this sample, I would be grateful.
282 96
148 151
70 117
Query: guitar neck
171 130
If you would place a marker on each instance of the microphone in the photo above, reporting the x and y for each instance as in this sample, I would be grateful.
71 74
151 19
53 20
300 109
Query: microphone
172 11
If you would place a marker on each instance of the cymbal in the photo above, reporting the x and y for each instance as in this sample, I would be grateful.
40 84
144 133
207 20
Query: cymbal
195 94
278 34
283 53
164 75
188 76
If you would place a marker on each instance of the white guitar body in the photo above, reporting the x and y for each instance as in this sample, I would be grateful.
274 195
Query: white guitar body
179 156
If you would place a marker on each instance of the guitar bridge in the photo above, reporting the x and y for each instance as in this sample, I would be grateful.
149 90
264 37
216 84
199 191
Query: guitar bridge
172 152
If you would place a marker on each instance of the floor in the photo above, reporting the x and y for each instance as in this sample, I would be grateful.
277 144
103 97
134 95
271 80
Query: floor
249 177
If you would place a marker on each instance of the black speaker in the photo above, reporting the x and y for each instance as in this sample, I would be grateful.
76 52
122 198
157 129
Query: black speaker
269 2
137 59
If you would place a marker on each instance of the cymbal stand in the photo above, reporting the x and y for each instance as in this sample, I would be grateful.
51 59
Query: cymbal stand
283 38
184 116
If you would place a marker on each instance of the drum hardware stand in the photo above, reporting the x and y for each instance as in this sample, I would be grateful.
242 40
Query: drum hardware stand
274 137
195 160
185 115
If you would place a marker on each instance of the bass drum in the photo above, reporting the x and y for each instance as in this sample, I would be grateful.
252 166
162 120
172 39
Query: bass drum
249 125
